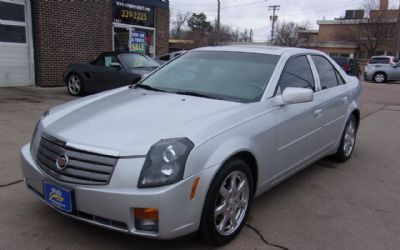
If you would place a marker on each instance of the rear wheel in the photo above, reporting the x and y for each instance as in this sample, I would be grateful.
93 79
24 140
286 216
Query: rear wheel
75 85
380 77
227 203
348 141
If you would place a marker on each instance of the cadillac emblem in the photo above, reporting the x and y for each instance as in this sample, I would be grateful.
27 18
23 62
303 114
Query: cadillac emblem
62 162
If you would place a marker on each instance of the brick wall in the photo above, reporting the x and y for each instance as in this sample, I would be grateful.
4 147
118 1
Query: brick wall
69 32
162 31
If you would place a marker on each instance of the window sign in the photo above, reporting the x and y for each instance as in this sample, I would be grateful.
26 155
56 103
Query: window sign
138 42
128 13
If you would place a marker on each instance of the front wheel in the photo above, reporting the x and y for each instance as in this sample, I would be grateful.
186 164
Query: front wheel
227 203
348 141
75 85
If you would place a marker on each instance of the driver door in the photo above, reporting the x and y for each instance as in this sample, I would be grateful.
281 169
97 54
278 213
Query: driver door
299 124
105 76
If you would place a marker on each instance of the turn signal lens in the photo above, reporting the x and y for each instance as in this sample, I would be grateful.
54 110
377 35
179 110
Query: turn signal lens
194 188
146 219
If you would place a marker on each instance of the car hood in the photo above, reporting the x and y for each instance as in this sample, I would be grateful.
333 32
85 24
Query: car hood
128 122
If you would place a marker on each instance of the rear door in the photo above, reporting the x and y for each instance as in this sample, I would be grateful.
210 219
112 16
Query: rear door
335 96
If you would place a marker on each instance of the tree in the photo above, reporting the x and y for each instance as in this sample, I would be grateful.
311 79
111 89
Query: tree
374 29
196 27
178 25
246 36
371 32
199 23
287 33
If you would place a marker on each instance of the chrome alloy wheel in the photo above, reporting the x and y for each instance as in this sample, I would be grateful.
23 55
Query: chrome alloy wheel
232 202
379 78
74 85
349 138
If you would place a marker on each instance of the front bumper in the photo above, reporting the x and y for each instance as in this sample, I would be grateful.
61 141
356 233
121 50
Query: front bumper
368 76
112 206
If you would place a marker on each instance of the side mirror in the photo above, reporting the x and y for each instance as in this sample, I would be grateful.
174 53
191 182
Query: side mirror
115 65
297 95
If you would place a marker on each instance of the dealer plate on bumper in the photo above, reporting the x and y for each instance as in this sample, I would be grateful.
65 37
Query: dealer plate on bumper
58 197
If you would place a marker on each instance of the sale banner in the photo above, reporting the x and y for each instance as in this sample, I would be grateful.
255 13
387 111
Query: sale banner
138 42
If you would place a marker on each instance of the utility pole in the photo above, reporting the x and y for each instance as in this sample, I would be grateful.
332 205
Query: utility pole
397 34
274 18
218 22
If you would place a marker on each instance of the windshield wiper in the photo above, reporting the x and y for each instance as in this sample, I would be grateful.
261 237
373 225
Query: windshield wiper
192 93
147 87
146 67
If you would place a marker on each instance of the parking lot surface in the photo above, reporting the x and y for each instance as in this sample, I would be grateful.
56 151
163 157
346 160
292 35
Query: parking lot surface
355 205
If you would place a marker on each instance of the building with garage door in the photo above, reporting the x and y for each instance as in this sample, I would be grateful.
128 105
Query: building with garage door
38 38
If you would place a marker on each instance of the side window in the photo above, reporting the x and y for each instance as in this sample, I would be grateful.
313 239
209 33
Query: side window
327 73
339 78
165 58
297 73
106 60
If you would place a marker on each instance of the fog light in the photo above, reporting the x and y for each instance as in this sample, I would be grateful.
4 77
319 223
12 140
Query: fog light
146 219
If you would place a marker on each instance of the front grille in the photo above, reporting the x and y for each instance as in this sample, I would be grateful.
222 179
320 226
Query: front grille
82 167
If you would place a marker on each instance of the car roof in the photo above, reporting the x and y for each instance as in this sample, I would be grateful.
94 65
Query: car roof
261 49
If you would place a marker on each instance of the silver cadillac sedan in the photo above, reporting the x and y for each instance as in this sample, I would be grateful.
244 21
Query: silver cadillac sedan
189 147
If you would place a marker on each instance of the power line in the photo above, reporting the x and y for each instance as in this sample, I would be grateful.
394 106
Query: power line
226 7
201 4
309 11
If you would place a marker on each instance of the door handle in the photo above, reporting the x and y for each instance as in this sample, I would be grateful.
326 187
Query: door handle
318 113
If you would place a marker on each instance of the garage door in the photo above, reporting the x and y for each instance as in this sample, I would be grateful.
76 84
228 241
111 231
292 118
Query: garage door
16 62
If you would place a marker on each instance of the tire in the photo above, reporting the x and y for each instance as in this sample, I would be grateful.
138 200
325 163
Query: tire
380 77
75 85
220 229
347 142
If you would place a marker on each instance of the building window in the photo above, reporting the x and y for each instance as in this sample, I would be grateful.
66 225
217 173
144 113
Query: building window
12 23
12 12
12 34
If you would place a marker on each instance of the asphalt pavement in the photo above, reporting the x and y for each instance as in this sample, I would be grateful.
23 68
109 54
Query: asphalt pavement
355 205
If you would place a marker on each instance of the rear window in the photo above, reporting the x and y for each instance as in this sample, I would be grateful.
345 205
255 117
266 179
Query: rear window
379 60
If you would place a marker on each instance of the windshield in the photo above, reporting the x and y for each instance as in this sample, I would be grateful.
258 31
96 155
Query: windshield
132 61
232 76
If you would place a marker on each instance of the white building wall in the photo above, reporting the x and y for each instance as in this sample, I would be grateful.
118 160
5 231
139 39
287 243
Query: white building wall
16 59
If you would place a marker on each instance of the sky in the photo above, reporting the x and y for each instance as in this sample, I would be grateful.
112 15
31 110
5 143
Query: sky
255 14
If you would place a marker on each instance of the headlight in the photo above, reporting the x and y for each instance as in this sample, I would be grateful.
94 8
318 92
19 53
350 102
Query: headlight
165 162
